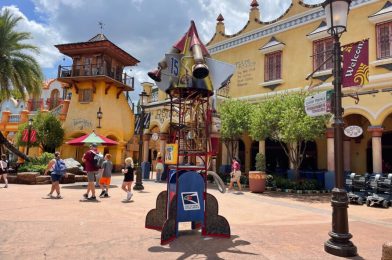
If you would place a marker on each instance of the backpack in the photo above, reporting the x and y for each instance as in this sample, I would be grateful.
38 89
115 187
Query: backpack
98 160
59 167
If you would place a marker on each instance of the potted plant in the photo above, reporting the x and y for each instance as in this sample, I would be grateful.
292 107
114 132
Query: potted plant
257 179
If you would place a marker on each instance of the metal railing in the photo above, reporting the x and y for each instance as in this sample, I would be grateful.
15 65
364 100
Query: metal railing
94 70
57 110
14 118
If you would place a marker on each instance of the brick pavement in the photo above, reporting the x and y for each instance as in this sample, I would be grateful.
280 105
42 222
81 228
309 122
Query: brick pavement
263 226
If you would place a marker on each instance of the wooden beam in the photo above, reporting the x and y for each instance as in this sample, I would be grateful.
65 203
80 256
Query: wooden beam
108 86
94 86
119 92
75 86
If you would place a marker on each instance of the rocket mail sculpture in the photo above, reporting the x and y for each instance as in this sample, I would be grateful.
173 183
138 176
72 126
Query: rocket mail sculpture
189 76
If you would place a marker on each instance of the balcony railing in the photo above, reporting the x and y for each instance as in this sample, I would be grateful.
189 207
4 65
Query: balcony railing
94 70
57 110
14 118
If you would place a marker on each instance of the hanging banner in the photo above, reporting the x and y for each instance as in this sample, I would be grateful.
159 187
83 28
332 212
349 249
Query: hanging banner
356 64
146 122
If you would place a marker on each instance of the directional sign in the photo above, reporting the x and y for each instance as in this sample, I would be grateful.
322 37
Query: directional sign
33 135
319 104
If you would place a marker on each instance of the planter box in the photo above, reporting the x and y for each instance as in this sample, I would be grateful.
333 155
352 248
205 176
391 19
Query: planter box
27 177
43 179
257 181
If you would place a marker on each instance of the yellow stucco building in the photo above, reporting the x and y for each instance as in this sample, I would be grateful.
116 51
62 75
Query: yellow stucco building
277 56
96 82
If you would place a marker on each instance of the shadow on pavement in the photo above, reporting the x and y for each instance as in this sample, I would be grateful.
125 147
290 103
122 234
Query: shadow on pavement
83 186
191 244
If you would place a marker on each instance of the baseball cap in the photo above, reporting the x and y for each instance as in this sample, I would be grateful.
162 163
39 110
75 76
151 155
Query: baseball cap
93 145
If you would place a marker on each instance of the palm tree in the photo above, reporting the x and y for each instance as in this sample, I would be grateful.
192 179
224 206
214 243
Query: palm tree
18 69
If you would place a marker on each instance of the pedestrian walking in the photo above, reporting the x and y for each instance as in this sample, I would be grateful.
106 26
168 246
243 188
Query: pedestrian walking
104 181
91 169
4 169
128 172
235 174
159 168
57 169
98 158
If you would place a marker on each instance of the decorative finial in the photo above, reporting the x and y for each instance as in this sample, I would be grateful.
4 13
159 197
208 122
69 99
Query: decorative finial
220 18
101 24
254 3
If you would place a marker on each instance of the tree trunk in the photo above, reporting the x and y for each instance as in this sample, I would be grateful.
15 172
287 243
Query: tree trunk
12 148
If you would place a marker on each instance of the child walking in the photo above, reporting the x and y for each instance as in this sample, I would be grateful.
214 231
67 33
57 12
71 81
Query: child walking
104 181
4 169
128 178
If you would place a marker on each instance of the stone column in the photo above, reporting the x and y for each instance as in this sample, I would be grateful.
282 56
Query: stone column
64 110
376 132
24 116
330 150
5 118
146 144
162 144
347 153
224 154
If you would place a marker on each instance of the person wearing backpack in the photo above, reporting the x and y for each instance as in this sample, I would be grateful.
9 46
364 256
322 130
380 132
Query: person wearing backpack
57 169
91 169
98 161
4 169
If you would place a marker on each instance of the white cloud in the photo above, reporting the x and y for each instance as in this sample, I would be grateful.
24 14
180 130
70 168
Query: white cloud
42 37
144 28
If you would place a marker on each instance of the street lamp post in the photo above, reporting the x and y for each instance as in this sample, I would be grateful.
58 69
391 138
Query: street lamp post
30 123
99 116
139 183
336 12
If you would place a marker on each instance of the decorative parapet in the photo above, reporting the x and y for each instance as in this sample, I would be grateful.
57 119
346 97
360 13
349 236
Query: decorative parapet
64 110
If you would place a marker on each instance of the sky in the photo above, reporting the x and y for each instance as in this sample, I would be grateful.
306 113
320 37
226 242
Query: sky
146 29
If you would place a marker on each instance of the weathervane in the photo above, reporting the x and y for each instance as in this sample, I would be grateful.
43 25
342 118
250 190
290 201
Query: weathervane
101 24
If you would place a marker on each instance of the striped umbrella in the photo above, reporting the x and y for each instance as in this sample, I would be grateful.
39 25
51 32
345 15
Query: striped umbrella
92 138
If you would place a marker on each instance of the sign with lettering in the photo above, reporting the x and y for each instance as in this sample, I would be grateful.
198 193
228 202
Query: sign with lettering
353 131
319 104
356 64
245 72
81 124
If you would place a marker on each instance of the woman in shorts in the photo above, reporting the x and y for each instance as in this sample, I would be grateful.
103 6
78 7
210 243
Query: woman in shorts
4 169
235 174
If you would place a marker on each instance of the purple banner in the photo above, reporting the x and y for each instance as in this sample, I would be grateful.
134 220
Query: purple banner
356 64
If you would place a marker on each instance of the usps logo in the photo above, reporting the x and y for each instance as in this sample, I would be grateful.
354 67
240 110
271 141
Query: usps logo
190 200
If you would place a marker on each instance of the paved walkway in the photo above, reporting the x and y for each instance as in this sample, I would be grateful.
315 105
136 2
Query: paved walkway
263 226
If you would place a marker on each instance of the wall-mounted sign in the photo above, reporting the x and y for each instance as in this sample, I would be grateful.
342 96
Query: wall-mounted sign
81 123
171 153
353 131
319 104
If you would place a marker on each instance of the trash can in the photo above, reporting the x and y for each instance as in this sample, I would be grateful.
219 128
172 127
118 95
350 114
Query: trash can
146 170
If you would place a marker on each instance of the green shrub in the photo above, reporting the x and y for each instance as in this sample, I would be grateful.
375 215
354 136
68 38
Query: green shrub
260 162
283 183
37 164
43 158
32 168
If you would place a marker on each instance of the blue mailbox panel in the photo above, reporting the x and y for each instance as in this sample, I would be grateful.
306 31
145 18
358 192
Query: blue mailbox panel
190 202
